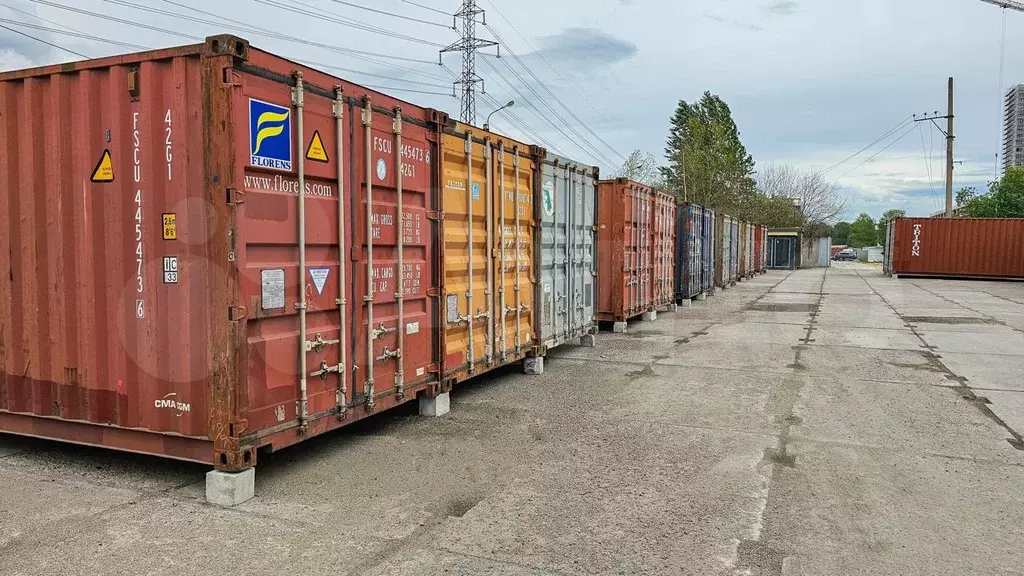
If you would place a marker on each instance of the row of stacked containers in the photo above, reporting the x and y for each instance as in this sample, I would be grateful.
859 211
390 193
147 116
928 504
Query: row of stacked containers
187 301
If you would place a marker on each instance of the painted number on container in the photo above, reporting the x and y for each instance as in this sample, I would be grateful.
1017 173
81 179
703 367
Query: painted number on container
139 246
167 151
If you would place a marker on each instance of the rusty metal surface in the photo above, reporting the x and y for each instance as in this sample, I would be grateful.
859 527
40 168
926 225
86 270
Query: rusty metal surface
663 244
625 249
744 262
488 205
967 247
157 312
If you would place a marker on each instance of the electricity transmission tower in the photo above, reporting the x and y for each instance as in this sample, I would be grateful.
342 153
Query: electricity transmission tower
468 45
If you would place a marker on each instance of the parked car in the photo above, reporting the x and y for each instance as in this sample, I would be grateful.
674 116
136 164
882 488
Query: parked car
848 254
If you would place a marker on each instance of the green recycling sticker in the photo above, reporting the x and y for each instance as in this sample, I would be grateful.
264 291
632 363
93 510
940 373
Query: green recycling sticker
548 191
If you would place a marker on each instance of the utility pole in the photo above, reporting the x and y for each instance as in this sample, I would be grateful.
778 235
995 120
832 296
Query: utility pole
468 45
948 132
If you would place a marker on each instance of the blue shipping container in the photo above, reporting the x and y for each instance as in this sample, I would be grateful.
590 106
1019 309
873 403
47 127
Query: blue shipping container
695 251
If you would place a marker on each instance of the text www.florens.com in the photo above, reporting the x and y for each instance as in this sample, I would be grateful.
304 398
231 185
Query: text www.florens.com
279 183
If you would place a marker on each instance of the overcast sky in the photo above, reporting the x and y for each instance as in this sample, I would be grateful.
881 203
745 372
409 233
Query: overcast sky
810 82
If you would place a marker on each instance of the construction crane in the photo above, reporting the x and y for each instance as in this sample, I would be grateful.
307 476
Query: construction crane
1005 5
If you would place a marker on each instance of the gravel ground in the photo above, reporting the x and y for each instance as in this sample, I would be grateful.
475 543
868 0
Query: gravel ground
814 422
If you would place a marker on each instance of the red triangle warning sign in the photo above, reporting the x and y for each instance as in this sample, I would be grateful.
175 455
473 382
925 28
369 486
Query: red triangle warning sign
104 171
316 150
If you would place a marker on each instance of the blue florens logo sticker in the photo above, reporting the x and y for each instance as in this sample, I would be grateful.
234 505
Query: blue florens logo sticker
270 135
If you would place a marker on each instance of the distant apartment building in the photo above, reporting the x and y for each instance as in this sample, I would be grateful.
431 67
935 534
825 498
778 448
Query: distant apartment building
1013 128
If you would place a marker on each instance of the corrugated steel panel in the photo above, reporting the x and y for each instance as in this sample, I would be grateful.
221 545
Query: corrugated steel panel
487 257
566 210
694 267
735 246
160 312
625 251
963 247
663 243
709 250
743 270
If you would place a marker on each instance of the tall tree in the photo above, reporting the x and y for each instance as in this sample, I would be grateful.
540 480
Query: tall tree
841 233
863 231
820 200
707 163
642 167
886 216
1005 198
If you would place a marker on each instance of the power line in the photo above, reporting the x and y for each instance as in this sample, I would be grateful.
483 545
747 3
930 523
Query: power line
374 74
274 34
75 34
928 168
43 41
425 7
515 121
321 14
589 149
110 18
386 13
572 114
540 115
888 132
540 55
413 90
887 146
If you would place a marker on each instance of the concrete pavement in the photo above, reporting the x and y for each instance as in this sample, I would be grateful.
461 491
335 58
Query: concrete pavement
805 423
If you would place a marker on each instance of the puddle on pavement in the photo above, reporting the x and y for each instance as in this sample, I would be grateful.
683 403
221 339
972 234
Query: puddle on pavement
782 307
945 320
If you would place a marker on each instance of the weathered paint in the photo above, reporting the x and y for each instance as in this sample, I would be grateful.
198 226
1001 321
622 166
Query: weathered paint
625 251
566 206
494 298
103 347
956 247
744 261
695 263
663 242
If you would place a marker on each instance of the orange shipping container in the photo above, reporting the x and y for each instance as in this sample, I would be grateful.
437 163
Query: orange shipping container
212 250
487 255
625 250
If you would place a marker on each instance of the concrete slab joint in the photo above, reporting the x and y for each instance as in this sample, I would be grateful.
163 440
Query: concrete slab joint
230 488
533 366
437 406
619 327
650 316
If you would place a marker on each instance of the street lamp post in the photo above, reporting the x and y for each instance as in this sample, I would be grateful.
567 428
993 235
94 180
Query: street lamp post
487 123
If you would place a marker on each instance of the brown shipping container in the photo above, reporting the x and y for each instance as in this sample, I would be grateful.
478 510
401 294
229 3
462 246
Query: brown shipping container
624 250
964 247
664 241
488 196
744 265
163 296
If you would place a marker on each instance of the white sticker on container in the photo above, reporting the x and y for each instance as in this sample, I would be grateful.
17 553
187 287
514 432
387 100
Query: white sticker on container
547 288
419 371
382 168
412 328
319 276
170 269
272 288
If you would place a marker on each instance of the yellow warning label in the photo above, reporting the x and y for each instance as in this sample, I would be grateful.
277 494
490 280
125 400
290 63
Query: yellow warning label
316 149
104 171
170 226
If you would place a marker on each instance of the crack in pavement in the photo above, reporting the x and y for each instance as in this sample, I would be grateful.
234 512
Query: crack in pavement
965 391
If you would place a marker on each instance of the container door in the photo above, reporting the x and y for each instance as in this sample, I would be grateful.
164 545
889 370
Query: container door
585 257
554 216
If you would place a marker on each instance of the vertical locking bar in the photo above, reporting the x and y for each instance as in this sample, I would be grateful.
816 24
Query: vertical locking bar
370 289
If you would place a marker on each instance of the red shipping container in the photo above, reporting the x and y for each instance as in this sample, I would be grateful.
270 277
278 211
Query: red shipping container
959 247
162 296
624 249
663 243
